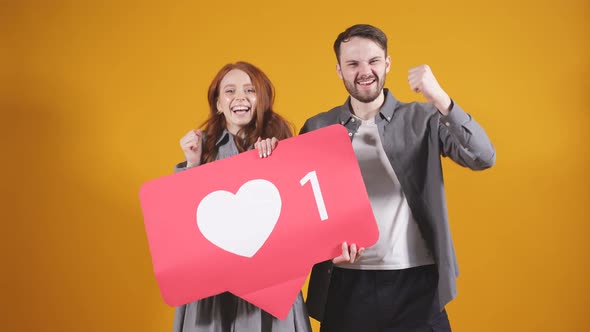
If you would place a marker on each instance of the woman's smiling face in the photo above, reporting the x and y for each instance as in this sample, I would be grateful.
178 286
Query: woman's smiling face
237 100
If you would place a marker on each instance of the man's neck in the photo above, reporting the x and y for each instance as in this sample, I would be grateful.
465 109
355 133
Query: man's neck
368 110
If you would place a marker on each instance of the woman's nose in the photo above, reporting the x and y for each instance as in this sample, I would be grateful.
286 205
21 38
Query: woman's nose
240 95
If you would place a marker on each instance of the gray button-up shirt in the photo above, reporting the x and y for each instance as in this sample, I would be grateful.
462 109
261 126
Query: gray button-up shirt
414 137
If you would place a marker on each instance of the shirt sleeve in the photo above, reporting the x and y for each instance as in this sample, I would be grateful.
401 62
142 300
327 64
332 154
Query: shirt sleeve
180 167
464 140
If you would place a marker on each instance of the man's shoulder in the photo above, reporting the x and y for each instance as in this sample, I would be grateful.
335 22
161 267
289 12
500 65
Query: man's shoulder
416 108
416 112
323 119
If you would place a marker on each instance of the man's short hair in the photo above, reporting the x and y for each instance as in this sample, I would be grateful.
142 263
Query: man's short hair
364 31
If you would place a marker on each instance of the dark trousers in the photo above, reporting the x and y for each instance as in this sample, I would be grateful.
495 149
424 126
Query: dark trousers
384 301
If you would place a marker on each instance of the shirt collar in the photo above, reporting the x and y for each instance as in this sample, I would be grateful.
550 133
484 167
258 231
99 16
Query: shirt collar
386 111
224 138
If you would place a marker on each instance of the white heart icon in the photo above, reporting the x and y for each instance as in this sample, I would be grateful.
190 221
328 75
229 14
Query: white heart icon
240 223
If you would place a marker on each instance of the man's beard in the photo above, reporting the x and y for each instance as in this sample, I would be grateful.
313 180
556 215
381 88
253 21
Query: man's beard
366 96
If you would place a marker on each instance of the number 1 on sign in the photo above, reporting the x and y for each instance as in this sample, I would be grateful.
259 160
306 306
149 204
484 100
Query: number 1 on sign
317 193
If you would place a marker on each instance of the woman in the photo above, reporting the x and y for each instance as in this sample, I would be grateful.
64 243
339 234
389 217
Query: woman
241 98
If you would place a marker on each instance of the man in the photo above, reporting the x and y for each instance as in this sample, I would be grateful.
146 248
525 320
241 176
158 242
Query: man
403 282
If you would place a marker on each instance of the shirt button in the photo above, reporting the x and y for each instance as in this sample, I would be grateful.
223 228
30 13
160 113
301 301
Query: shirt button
447 124
342 122
350 134
388 118
352 120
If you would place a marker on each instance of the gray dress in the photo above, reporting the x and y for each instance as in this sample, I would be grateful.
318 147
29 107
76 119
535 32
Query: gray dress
226 312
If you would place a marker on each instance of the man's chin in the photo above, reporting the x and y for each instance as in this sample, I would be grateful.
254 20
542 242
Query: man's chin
366 97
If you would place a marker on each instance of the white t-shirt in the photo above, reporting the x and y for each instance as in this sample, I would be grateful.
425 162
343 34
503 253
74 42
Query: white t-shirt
400 244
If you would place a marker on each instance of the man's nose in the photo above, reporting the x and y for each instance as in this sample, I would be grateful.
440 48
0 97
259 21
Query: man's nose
365 69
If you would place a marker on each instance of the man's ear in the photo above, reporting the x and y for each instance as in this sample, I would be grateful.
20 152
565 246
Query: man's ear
387 64
339 71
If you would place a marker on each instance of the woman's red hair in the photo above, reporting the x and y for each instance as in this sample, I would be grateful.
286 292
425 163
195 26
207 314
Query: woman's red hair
265 123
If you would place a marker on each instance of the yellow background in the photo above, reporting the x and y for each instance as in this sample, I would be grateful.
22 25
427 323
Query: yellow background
95 96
